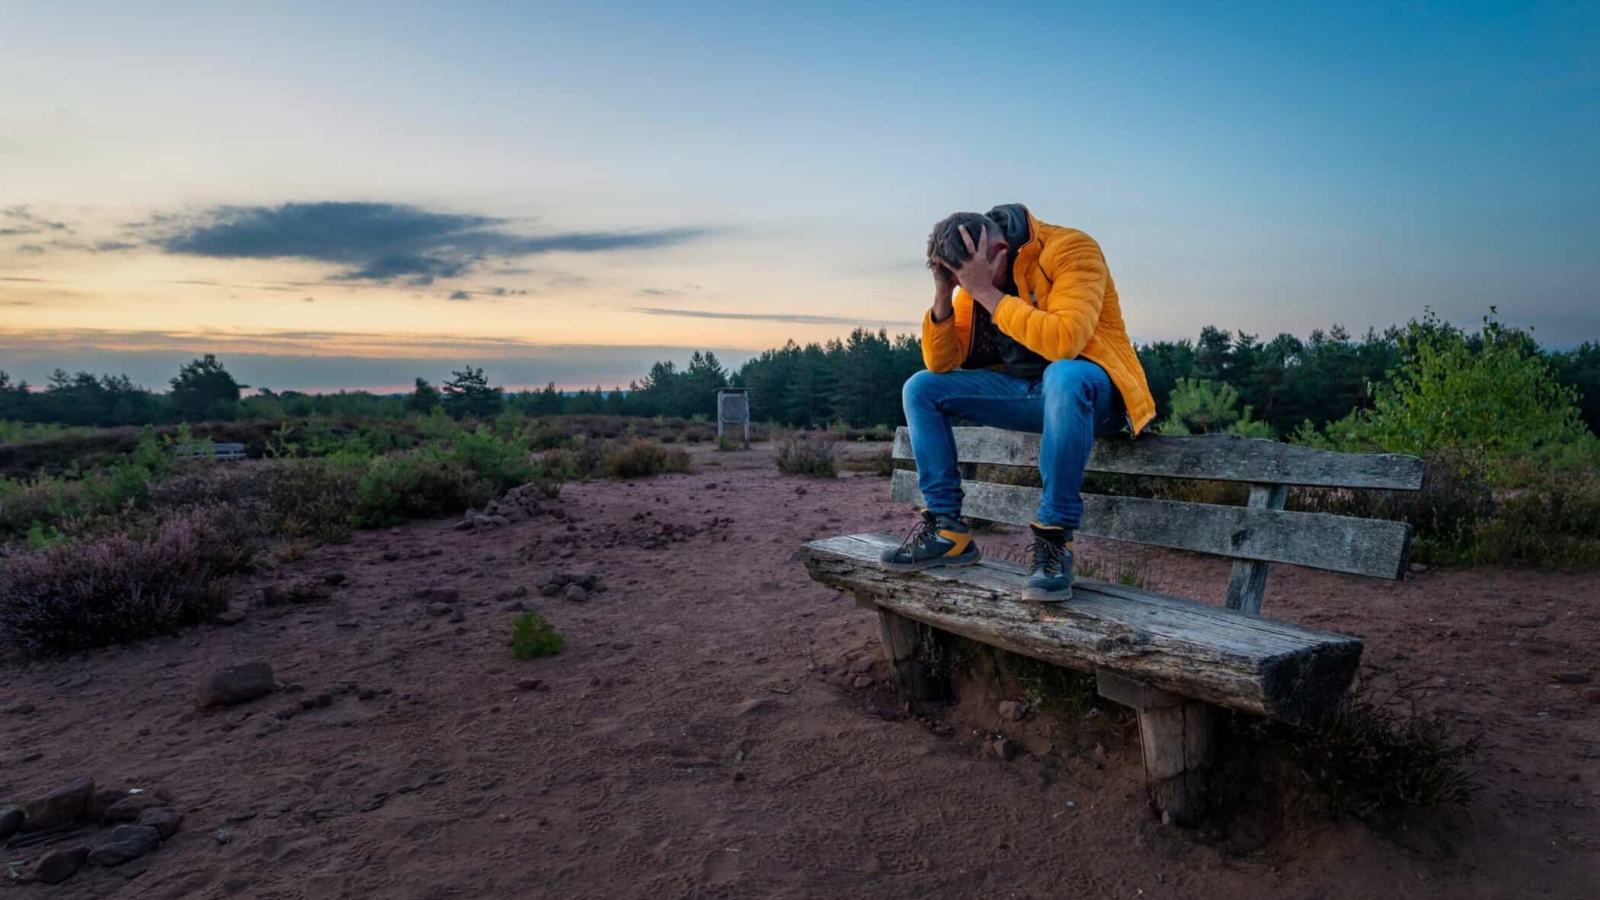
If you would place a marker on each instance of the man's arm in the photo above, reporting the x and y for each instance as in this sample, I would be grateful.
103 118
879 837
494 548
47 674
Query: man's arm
1061 326
942 349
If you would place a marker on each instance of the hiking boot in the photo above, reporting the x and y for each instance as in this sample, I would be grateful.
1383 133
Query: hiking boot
936 541
1050 571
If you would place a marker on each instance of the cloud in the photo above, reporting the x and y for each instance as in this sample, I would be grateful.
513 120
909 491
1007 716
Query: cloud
770 317
308 300
113 246
15 278
30 248
23 221
378 241
460 295
16 302
659 292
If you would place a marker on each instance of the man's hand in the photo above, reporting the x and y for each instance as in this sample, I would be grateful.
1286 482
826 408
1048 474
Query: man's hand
978 274
944 287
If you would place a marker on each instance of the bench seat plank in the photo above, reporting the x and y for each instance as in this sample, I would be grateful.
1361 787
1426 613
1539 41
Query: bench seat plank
1222 656
1213 457
1374 547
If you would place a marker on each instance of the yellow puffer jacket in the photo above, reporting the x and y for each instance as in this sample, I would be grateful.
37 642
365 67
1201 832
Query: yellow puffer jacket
1071 312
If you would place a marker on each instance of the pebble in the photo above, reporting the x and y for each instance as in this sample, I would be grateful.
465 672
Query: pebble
440 609
576 594
1002 749
222 836
1571 677
530 684
861 666
457 615
334 579
129 808
230 617
11 819
861 682
515 606
163 820
21 709
1013 710
439 595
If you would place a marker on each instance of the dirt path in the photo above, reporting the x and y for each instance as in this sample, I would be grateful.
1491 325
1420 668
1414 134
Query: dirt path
699 736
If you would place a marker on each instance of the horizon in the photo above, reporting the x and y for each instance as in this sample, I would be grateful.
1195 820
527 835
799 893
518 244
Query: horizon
336 199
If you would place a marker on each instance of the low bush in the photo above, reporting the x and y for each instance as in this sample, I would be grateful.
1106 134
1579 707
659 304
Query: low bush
90 593
642 459
815 457
1371 754
532 636
422 484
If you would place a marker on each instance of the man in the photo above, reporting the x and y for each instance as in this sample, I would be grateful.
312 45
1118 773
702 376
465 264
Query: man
1031 340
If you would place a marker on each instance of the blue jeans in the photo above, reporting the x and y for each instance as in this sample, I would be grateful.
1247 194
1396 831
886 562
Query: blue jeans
1073 404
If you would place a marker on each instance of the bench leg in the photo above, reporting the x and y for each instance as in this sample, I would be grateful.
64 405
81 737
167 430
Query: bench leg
1175 736
916 654
1176 741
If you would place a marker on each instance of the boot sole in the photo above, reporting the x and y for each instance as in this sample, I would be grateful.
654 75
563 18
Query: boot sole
1038 595
958 562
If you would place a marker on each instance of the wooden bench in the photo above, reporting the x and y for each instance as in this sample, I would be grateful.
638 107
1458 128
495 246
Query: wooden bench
1171 659
217 451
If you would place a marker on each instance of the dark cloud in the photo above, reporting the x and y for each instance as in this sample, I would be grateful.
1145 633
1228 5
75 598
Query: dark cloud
309 300
378 241
14 278
460 295
30 248
659 292
113 246
16 302
770 317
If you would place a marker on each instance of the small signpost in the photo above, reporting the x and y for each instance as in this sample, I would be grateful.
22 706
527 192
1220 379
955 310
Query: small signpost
733 408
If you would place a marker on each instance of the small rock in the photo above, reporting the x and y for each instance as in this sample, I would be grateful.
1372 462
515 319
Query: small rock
135 868
21 709
861 666
236 684
243 816
1418 568
529 684
1002 749
1570 678
366 694
457 615
1013 710
222 836
124 843
229 617
60 806
550 588
11 821
519 591
515 606
1099 754
131 807
58 865
439 595
576 593
757 706
163 820
324 699
334 579
465 525
440 609
861 682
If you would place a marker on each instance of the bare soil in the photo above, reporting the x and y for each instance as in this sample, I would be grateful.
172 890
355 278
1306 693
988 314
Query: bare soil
700 735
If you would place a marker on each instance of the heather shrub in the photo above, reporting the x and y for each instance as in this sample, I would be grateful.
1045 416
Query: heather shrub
81 594
813 457
642 459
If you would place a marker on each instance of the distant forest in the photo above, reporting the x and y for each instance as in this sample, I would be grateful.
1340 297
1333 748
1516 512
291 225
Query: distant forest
1284 382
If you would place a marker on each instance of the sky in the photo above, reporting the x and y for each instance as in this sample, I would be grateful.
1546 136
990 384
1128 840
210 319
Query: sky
352 194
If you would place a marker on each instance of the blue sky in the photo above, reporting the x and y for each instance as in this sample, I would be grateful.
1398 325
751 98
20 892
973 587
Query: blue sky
356 193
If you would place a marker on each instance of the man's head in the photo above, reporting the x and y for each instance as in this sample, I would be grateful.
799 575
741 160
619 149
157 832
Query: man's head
946 245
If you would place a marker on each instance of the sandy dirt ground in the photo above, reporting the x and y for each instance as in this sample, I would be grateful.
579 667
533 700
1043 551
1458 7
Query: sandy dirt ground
701 735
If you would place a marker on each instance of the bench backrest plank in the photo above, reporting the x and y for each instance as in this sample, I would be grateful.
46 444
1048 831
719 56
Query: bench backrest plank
1373 547
1217 457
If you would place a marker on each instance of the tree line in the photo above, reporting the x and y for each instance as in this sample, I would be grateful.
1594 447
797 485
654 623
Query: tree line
1275 385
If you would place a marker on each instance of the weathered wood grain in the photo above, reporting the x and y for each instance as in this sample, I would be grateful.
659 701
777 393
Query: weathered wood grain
918 678
1374 547
1215 457
1203 652
1247 584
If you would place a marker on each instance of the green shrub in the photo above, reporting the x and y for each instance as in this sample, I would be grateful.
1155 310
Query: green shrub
1200 406
532 636
422 484
812 457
